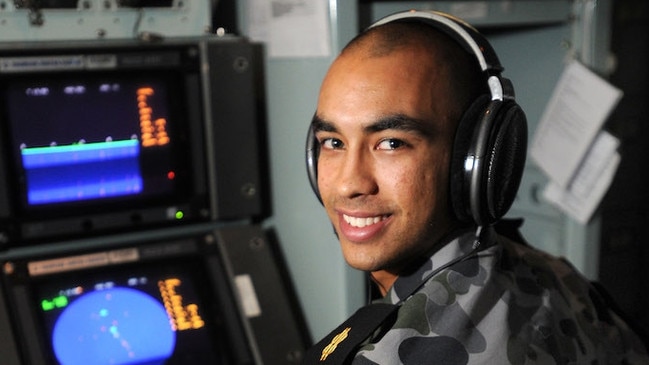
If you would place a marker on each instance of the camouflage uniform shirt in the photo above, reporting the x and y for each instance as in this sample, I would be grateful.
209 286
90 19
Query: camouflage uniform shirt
506 304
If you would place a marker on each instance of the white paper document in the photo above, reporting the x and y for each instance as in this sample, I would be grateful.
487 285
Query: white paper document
594 176
290 28
578 107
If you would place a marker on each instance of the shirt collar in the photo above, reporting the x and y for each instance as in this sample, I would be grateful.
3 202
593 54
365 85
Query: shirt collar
459 245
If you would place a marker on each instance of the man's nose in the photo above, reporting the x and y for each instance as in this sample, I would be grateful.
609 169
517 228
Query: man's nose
356 175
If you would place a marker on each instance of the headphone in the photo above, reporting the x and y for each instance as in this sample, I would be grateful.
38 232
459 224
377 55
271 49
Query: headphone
490 143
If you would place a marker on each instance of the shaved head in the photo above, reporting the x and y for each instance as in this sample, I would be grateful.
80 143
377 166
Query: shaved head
466 79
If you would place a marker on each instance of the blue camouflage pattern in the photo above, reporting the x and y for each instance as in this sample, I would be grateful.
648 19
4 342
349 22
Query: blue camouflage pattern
507 304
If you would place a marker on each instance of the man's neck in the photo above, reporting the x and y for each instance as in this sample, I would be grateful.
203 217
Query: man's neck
383 280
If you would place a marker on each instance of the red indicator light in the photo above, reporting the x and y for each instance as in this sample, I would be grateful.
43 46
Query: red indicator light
171 175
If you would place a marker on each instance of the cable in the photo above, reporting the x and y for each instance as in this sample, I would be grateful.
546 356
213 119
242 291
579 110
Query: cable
477 244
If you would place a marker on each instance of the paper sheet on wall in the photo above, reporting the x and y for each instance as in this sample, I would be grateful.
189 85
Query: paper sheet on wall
594 176
290 28
575 113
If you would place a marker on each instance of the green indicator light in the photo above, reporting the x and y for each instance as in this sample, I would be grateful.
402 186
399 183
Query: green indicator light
47 305
60 301
180 214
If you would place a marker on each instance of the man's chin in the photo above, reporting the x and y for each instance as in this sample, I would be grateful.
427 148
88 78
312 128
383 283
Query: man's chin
363 263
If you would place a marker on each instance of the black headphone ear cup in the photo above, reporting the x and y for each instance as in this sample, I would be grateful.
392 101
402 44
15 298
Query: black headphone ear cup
459 179
483 191
505 162
312 152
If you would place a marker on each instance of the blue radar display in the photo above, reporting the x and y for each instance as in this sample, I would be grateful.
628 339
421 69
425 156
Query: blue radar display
114 326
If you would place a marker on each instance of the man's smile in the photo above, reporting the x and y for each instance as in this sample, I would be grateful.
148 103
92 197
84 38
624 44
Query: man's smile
360 222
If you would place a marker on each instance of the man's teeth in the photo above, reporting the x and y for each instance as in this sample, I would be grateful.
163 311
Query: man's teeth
361 222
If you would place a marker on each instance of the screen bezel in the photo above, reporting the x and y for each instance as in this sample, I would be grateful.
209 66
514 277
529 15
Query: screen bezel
176 65
196 257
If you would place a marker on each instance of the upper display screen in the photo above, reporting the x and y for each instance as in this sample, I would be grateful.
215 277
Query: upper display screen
79 139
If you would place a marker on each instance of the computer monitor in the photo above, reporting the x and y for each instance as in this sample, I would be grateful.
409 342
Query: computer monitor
159 302
98 138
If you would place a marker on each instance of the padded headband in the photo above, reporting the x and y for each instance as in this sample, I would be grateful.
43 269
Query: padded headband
466 36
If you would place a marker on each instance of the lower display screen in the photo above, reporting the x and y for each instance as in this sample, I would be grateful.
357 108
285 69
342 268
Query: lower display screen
139 315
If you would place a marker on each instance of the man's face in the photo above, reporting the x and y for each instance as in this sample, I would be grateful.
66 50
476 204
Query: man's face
385 141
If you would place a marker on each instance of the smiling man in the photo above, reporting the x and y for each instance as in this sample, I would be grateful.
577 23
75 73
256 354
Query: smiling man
384 156
414 188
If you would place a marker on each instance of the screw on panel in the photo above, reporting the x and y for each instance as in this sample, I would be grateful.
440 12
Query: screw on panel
36 17
294 356
256 243
209 239
240 64
8 268
248 190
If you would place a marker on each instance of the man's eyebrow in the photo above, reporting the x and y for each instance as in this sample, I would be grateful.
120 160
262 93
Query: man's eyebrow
400 122
392 122
320 125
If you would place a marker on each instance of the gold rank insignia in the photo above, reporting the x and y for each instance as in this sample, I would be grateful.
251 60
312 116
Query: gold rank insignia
331 347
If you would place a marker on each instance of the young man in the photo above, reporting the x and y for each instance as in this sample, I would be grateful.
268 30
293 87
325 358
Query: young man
389 126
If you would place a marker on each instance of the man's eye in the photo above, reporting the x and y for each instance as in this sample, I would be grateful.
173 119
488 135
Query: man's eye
331 143
390 144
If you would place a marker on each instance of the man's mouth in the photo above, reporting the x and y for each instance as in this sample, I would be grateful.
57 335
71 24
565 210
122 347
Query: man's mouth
360 222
